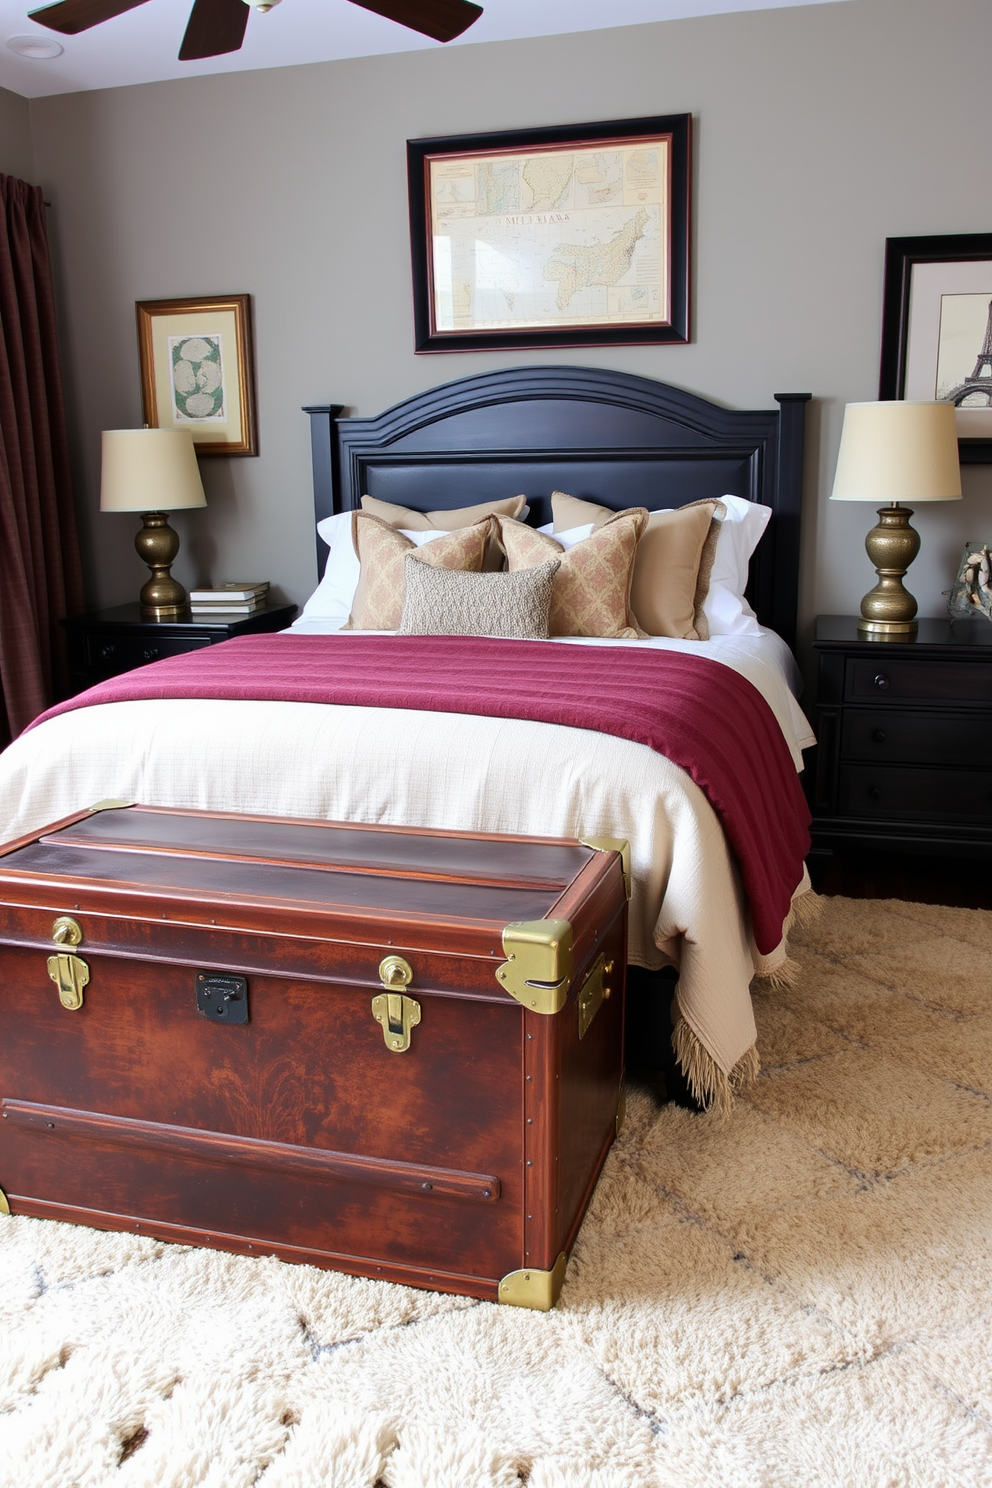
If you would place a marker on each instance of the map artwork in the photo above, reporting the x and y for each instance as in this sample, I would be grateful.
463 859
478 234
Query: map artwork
558 238
196 373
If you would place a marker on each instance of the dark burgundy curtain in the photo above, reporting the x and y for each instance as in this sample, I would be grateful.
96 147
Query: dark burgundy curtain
40 577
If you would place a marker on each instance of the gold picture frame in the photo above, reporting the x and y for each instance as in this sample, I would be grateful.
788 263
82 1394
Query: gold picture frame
197 371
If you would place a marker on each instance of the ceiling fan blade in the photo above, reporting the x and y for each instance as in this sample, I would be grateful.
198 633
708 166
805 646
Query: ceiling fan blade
215 27
72 16
441 19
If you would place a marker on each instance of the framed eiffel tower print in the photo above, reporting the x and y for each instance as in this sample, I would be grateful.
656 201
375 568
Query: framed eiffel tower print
937 330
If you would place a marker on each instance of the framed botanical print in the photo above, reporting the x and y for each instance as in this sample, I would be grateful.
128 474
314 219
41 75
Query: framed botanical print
576 235
937 330
197 372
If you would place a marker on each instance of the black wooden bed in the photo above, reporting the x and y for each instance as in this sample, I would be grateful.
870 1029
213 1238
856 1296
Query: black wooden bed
610 437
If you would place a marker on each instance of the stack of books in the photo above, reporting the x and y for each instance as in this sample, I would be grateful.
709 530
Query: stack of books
234 598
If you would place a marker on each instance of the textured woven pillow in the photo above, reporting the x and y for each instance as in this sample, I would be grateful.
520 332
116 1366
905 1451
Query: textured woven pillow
445 601
591 595
378 602
673 565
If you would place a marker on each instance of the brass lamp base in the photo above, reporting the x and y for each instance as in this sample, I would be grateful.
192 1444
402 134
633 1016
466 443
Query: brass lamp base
888 612
163 597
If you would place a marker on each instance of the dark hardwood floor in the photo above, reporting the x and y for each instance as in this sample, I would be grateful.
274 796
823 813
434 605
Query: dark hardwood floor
861 873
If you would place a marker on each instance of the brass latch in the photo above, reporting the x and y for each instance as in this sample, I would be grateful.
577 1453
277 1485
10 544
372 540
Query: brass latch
396 1012
595 990
69 973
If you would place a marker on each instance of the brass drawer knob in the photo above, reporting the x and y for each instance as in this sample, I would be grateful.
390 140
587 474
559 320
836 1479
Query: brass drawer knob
66 931
395 973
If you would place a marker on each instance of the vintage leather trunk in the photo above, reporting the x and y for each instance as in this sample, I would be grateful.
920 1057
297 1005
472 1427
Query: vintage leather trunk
390 1051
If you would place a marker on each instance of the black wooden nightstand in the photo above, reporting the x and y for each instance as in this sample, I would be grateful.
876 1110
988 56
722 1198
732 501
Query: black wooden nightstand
905 738
107 642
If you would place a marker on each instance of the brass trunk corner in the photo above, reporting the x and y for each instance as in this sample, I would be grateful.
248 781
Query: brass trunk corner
4 1206
613 844
538 1290
538 966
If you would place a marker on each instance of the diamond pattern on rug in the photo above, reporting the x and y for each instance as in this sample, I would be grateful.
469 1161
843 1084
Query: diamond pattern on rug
797 1295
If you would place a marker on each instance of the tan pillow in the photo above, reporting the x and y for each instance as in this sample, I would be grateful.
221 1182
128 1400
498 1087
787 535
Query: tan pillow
448 521
591 594
673 564
572 511
445 601
378 602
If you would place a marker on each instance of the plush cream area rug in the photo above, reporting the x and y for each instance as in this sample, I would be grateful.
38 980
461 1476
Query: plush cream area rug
799 1295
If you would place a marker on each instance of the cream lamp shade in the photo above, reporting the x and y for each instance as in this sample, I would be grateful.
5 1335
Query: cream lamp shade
153 471
889 453
149 470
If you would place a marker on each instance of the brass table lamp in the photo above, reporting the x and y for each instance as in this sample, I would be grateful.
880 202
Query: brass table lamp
890 452
153 471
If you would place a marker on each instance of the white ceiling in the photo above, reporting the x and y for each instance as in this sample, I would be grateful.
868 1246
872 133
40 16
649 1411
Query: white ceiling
141 46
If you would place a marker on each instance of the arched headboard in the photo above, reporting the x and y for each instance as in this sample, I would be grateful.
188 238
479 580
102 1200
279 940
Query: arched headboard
609 437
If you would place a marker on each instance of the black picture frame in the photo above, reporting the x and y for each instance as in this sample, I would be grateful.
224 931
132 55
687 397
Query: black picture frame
645 314
903 258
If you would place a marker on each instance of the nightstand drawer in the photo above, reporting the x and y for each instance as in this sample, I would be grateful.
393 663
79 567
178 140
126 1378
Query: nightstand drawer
898 793
112 655
916 681
107 642
891 736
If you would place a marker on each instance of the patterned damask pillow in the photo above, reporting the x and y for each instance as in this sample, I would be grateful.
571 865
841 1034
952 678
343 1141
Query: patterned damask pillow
444 601
381 549
591 594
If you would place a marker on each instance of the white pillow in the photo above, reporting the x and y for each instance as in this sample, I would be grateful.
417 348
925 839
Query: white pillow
727 611
571 537
331 601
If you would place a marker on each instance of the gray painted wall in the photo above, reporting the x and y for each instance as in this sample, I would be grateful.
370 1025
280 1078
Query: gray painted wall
16 154
819 132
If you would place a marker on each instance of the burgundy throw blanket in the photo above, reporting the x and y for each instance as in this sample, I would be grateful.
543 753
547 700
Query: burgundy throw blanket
698 713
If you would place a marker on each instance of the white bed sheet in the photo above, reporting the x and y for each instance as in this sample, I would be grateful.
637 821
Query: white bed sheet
462 772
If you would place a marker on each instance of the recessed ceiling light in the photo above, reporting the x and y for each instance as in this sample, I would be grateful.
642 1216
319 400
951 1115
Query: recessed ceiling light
36 46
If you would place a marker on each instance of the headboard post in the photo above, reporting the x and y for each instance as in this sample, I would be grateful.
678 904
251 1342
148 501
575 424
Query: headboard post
783 604
323 453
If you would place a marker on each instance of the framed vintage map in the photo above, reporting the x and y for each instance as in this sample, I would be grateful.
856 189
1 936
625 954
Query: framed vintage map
571 236
197 373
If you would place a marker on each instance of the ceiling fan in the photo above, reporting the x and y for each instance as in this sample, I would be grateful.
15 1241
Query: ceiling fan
218 26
